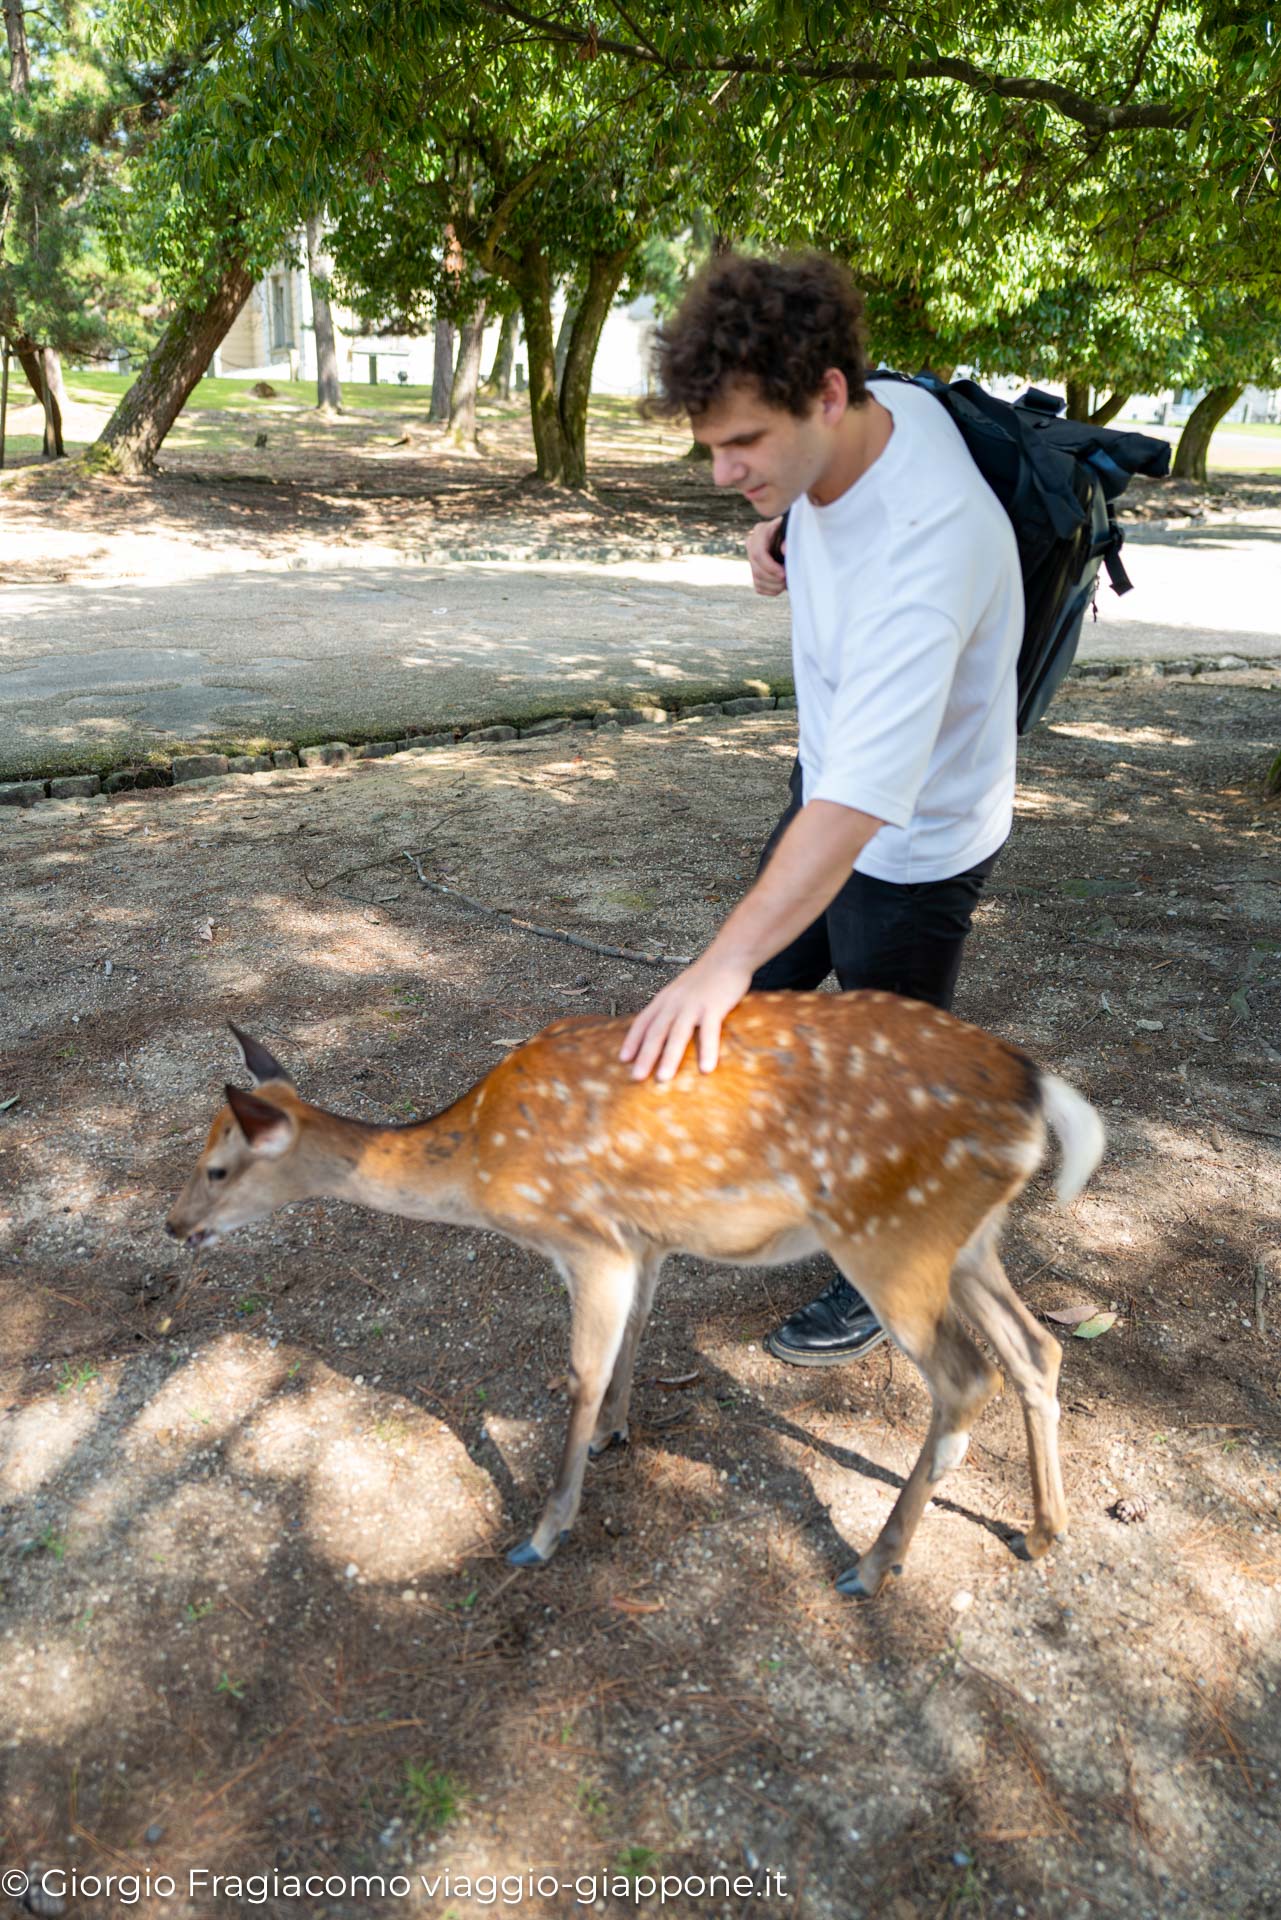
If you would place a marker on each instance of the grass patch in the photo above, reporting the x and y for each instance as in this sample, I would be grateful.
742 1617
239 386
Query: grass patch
432 1797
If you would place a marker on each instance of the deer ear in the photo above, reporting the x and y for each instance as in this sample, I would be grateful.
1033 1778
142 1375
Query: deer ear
259 1064
268 1129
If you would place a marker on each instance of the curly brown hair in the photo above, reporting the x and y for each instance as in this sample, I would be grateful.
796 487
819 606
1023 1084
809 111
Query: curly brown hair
781 323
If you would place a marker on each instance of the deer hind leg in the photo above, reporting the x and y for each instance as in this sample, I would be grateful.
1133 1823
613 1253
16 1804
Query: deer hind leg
1031 1357
611 1425
910 1299
602 1287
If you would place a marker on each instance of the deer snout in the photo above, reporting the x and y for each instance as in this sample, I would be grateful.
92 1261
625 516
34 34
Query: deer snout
192 1237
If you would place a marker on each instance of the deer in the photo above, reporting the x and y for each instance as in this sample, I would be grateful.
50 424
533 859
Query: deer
879 1130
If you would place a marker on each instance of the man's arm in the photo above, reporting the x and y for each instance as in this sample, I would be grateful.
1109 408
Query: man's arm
807 870
768 577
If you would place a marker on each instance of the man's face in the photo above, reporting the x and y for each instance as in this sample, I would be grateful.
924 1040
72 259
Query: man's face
769 455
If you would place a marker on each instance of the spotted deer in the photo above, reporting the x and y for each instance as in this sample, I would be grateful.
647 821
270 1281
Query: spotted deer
880 1130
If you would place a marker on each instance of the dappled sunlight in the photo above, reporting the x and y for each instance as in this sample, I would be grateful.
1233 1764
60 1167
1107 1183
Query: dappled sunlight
399 1500
38 1439
1039 803
1105 734
202 1533
70 1685
204 1401
262 1527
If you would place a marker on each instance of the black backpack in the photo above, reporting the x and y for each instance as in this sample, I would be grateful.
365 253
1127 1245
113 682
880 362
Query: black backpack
1057 480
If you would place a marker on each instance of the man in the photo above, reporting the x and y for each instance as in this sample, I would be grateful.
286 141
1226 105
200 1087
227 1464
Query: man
907 616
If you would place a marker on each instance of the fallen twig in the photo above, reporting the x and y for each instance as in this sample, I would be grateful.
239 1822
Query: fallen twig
548 933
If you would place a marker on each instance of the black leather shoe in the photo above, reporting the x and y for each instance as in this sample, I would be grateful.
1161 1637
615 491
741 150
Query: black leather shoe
838 1326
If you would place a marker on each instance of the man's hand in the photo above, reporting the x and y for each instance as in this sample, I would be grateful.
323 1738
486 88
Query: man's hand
767 576
699 998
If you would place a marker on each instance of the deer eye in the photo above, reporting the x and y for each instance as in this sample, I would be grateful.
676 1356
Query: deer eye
215 1173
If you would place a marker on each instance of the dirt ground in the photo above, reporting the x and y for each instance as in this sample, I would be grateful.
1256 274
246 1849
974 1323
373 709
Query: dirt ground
382 477
254 1611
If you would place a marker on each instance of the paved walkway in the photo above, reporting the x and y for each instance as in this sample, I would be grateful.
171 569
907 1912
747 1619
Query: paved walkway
129 665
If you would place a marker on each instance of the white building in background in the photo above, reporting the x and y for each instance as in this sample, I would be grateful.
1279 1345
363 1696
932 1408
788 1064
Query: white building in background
274 337
1172 408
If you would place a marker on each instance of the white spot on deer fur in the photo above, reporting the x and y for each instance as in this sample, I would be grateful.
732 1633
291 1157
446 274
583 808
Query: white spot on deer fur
598 1087
631 1142
916 1197
878 1111
714 1163
482 1175
1022 1154
527 1193
881 1045
893 1152
933 1186
856 1061
872 1227
523 1133
856 1167
918 1096
664 1155
498 1140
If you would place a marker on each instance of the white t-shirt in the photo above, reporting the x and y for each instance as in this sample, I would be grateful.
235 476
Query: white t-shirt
907 617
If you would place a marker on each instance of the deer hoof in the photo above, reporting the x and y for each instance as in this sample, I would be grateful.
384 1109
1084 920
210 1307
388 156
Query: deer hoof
598 1447
528 1555
859 1583
1035 1543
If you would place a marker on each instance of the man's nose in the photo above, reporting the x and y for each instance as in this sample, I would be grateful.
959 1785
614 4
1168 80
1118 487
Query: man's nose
726 470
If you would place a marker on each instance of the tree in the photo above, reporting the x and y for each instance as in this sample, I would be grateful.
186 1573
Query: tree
536 187
498 381
136 430
321 271
69 121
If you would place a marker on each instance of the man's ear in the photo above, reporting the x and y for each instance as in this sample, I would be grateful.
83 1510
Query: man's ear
259 1064
269 1130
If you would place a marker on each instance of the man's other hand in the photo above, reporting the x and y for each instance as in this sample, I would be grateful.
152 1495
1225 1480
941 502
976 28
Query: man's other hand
698 999
767 576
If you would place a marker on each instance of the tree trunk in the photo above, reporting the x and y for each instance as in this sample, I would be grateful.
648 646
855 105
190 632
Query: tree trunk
499 383
534 284
604 277
1078 398
43 369
1109 409
1194 441
321 270
442 369
135 432
462 398
15 29
564 336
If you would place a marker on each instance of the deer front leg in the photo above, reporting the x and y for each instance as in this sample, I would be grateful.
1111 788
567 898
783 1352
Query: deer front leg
602 1289
611 1427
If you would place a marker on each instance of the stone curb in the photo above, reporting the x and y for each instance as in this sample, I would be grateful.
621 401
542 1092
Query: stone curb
186 768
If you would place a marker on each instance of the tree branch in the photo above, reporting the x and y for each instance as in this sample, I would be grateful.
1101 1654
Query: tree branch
1096 114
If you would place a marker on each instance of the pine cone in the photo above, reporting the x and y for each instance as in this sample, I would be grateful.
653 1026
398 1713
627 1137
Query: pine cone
1130 1508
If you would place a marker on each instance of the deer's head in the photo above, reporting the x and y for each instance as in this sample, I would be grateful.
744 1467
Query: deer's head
243 1172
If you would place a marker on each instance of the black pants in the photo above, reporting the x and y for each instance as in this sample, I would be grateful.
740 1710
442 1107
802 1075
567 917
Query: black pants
878 933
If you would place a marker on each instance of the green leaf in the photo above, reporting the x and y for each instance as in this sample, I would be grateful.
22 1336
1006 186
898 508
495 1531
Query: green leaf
1091 1329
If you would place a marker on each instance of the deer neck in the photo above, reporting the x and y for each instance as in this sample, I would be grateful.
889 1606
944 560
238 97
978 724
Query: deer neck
421 1171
